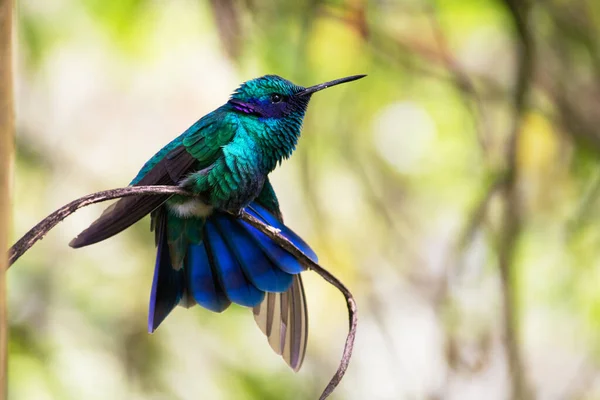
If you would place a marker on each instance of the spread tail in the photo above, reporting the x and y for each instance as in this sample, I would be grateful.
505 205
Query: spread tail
220 260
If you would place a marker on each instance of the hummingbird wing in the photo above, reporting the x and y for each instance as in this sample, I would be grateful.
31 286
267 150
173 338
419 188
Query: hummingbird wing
197 148
283 317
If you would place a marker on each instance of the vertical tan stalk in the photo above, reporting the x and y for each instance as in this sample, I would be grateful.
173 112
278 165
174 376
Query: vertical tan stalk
6 152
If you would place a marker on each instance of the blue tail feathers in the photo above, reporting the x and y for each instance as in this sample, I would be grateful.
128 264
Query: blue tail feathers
231 262
257 266
202 279
168 283
229 272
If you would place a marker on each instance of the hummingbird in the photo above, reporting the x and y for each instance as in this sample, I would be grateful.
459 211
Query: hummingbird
205 254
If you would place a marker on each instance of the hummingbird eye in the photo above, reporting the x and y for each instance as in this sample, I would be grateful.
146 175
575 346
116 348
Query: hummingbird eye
276 98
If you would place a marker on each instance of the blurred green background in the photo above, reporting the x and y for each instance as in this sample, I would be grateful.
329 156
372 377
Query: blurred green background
455 191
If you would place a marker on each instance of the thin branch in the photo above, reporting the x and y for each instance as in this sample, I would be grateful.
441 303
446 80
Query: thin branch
42 228
284 243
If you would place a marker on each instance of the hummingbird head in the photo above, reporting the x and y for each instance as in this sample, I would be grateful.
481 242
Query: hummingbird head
273 109
269 96
272 97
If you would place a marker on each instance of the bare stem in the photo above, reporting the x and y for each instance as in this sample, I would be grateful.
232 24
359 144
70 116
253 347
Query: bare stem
6 151
44 226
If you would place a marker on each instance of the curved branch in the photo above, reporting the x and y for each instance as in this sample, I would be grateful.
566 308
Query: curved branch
284 243
43 227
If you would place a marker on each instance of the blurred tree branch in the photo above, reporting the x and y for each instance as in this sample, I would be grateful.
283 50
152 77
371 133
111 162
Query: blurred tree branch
6 152
227 18
519 13
463 82
44 226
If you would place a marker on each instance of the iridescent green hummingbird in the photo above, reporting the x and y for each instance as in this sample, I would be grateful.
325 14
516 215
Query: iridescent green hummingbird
205 255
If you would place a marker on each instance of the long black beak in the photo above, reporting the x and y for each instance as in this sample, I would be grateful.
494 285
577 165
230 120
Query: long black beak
321 86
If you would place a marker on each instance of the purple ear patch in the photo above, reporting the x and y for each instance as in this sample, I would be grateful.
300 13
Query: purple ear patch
243 107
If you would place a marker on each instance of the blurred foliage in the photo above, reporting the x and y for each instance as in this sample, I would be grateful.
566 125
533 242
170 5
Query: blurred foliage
398 183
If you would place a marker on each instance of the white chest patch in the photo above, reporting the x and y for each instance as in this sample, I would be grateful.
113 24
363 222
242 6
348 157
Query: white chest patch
191 208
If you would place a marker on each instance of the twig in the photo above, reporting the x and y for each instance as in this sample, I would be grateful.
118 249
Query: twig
42 228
